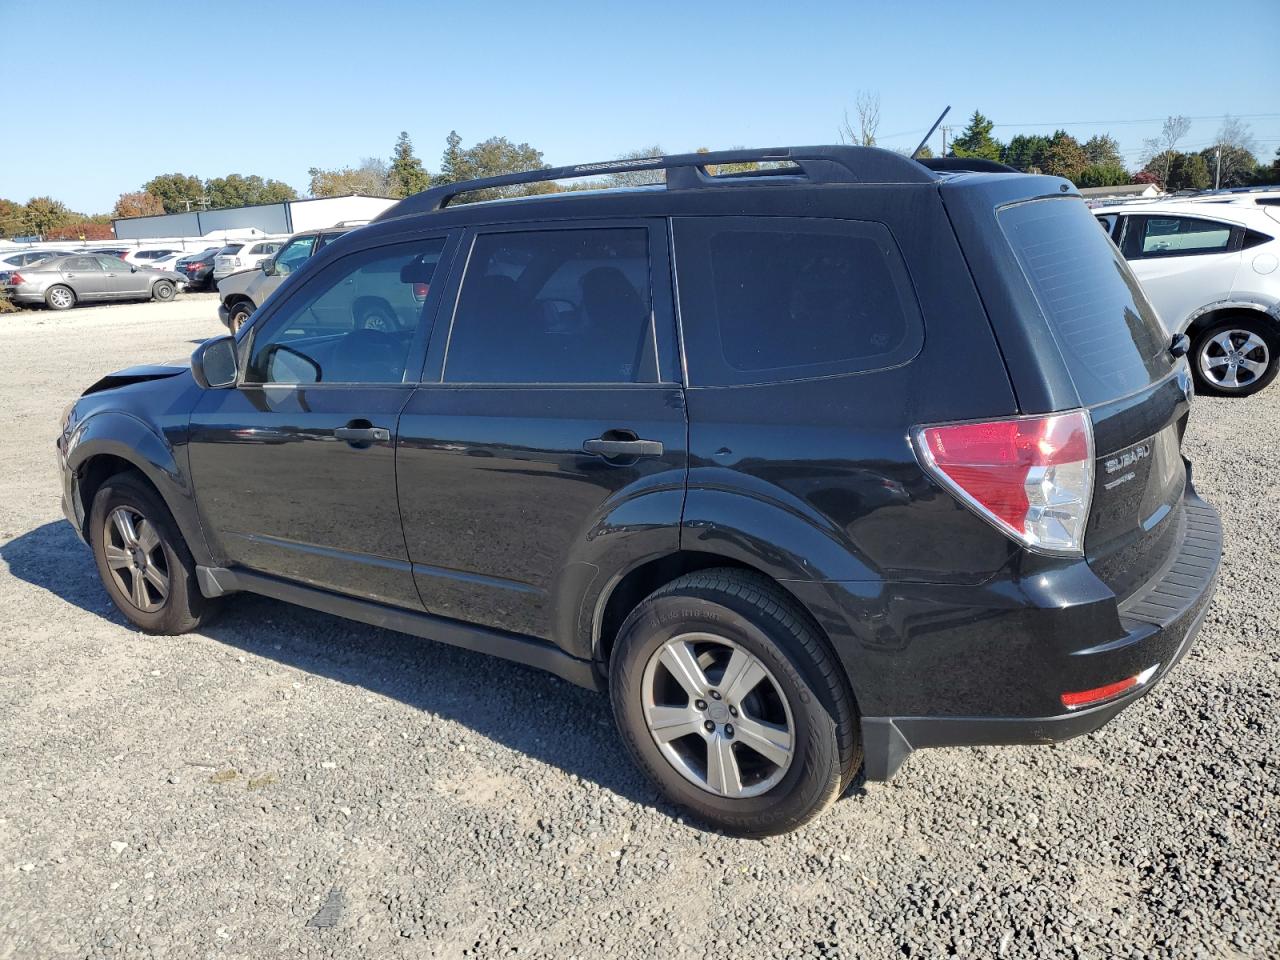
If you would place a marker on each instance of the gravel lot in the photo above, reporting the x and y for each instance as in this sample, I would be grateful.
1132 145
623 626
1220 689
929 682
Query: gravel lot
228 793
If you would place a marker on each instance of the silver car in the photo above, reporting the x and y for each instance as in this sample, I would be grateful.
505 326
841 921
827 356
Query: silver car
63 282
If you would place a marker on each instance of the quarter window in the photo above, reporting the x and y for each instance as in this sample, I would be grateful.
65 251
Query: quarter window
774 299
555 306
354 323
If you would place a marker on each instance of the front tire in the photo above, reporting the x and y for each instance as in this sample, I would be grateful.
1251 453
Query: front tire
164 291
733 704
142 559
1235 358
60 297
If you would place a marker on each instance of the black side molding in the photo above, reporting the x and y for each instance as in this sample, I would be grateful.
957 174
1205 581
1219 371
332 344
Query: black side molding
216 581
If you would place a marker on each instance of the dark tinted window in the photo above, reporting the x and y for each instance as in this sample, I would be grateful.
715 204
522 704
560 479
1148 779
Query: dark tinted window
554 306
1109 336
770 299
352 324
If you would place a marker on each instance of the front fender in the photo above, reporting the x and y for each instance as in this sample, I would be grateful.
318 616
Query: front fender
118 434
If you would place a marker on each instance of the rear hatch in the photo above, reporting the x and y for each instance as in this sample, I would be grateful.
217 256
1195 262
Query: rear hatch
1116 357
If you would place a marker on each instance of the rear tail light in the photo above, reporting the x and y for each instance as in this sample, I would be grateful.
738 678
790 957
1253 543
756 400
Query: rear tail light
1089 698
1031 476
237 261
16 278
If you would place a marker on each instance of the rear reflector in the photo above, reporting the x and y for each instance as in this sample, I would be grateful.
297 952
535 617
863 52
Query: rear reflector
1087 698
1030 476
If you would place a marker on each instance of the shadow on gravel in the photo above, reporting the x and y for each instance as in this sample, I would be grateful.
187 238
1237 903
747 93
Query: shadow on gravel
53 558
515 706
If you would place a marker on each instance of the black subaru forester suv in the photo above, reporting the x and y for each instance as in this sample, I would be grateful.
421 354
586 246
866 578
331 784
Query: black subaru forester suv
808 466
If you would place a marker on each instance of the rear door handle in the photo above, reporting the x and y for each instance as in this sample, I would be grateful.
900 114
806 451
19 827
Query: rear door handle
623 448
362 434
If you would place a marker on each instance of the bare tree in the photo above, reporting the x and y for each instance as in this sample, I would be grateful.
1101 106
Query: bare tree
1158 151
638 178
1233 150
867 106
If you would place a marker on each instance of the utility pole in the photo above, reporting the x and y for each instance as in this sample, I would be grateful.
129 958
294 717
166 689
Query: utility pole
945 131
1217 169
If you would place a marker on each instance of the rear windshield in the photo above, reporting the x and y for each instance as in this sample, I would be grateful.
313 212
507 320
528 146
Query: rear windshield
230 249
1109 336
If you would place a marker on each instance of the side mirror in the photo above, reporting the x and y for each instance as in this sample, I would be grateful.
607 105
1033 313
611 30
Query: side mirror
133 269
268 266
214 365
1180 345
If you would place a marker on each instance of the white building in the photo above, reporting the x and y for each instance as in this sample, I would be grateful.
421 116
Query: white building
266 218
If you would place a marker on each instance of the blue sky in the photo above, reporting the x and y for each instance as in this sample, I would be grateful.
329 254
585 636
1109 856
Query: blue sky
274 88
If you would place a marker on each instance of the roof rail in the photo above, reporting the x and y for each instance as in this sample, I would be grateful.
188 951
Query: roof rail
834 164
966 164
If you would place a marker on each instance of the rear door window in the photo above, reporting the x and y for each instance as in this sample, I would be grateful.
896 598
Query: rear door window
1110 339
1159 236
768 299
555 306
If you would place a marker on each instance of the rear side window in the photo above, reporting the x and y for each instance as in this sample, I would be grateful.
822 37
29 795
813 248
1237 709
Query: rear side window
1110 339
769 299
555 306
1179 236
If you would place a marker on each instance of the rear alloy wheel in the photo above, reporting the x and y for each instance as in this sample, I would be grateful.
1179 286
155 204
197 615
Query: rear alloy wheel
163 291
60 297
1235 358
142 559
733 703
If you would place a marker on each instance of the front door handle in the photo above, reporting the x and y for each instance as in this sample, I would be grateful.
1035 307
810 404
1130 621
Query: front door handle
608 447
361 432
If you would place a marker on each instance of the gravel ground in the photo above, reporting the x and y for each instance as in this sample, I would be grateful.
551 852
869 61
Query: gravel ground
290 784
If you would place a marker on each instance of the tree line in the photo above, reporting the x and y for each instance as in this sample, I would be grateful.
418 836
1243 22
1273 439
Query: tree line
1098 162
1095 162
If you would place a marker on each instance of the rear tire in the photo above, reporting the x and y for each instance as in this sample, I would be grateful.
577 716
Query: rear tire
142 559
1235 358
755 757
240 315
163 291
60 297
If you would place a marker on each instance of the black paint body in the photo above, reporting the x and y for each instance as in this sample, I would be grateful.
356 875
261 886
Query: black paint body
482 521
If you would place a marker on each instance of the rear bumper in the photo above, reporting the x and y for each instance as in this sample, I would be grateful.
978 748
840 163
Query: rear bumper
888 741
989 663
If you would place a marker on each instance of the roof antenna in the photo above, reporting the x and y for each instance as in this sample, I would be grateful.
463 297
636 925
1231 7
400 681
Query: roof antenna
916 152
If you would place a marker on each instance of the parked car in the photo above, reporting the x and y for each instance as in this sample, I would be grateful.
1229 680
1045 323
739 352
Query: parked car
167 262
244 292
12 261
147 256
1211 271
118 252
792 536
83 278
248 257
198 268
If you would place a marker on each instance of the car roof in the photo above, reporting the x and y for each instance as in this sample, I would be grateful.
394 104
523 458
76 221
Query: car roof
1240 214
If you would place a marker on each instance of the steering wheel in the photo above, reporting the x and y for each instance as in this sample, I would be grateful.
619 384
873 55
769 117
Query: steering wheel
369 355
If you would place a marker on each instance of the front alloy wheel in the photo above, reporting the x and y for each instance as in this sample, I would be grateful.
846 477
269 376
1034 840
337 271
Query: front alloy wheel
136 558
718 715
